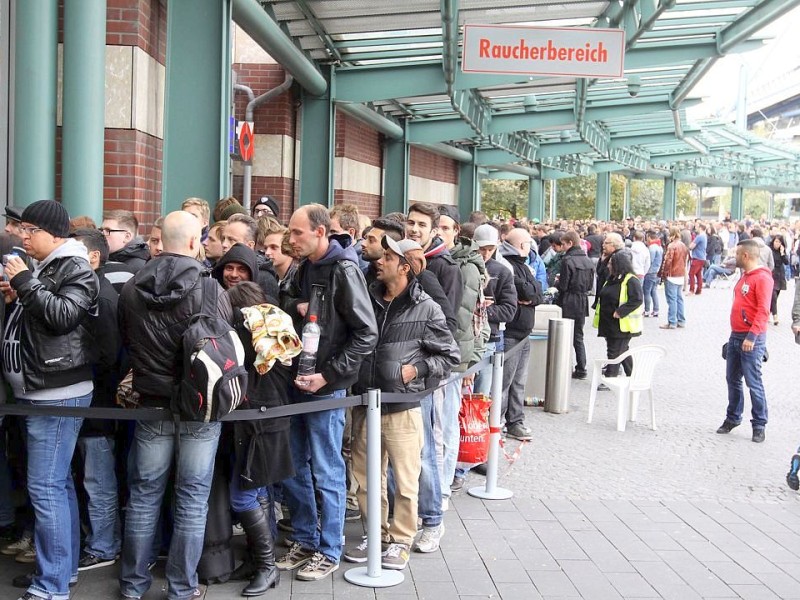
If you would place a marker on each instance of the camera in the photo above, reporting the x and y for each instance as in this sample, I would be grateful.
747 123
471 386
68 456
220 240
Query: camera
634 85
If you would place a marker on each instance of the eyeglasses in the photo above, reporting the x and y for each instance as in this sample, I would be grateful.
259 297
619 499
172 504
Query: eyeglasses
30 230
109 231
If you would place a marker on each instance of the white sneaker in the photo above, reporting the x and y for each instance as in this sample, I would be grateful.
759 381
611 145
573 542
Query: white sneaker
430 538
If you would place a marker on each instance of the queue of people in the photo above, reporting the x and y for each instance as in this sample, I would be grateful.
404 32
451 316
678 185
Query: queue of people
94 316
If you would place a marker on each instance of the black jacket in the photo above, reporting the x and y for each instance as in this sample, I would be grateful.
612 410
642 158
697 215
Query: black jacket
574 284
444 266
431 286
155 308
520 327
501 290
411 331
134 254
55 341
336 292
261 447
106 359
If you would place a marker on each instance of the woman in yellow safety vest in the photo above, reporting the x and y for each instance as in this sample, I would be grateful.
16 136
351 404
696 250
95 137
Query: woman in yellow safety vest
619 311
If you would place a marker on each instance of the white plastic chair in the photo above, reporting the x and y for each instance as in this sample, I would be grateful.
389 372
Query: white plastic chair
628 389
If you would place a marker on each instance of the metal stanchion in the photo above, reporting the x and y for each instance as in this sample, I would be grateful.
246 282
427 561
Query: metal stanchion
559 365
491 491
373 575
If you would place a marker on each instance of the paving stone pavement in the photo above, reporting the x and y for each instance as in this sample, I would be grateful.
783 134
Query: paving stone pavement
677 513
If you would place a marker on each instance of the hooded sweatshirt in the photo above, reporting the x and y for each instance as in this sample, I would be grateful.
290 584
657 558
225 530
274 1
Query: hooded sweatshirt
238 253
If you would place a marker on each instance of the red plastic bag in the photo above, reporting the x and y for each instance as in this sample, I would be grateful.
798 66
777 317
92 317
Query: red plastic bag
473 422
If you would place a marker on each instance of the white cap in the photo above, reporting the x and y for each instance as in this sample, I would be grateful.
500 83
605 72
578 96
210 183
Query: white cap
486 235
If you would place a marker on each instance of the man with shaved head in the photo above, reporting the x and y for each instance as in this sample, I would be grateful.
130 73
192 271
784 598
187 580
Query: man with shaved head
515 250
155 308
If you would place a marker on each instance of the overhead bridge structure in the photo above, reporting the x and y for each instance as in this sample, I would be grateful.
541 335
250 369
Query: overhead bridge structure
398 66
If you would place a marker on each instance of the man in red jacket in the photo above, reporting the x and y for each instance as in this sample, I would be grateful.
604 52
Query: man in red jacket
747 343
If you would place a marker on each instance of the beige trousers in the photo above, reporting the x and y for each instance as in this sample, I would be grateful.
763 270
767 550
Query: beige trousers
401 445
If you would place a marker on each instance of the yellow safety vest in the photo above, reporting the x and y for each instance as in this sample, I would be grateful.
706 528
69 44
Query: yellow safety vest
632 323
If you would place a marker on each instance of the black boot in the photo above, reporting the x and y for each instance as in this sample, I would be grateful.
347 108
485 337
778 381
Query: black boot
262 552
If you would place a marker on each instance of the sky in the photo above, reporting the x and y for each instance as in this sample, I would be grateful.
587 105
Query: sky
765 67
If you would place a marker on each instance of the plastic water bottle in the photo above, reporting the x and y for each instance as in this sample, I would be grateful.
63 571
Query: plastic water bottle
308 357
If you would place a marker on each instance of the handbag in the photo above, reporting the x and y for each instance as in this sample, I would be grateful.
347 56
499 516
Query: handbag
473 424
764 358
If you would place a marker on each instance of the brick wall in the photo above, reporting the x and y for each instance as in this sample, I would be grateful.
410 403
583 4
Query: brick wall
132 172
358 141
141 23
433 166
368 204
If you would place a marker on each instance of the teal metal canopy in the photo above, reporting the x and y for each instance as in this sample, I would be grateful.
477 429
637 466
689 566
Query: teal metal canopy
402 61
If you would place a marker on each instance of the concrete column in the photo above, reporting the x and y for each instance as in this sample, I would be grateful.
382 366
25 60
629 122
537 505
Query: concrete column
553 199
469 188
737 202
198 102
35 77
670 198
317 149
395 176
626 203
535 198
602 207
83 130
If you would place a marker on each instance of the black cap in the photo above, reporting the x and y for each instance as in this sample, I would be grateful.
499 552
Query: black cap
450 211
14 213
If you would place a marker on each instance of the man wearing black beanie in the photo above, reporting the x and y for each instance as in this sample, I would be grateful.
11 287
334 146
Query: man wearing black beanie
47 361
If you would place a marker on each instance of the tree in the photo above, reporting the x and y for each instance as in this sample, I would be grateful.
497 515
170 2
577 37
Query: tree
504 198
647 198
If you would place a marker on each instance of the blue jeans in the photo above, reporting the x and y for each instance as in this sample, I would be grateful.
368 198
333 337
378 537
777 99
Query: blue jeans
650 286
674 293
51 444
153 452
100 482
713 271
748 365
447 418
430 486
316 445
483 378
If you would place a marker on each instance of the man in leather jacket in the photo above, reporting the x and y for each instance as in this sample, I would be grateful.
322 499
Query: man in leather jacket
329 285
155 309
46 335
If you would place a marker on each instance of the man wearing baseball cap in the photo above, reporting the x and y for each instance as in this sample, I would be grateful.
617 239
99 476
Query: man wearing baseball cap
415 351
49 347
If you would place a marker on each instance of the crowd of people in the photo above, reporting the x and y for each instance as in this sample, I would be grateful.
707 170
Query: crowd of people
94 316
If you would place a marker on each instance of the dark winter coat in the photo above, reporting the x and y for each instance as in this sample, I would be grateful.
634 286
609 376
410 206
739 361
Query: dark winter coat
441 264
261 447
520 327
155 309
336 292
107 346
779 271
134 254
608 326
473 277
501 290
411 331
575 281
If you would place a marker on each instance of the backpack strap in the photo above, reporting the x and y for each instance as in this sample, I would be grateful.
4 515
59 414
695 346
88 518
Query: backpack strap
210 290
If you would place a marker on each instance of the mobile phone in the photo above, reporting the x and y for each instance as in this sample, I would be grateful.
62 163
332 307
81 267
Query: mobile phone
797 338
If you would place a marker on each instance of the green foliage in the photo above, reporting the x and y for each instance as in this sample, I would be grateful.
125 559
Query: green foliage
575 197
647 198
686 202
504 198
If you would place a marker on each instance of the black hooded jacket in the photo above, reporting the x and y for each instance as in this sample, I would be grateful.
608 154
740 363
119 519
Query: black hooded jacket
134 254
238 253
155 308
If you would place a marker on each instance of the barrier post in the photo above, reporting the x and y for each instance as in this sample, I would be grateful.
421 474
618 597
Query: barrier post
373 575
490 491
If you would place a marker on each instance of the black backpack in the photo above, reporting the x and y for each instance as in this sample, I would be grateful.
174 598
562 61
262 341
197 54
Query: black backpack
213 377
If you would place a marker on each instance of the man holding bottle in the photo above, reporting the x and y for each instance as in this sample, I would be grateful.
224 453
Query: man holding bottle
329 285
